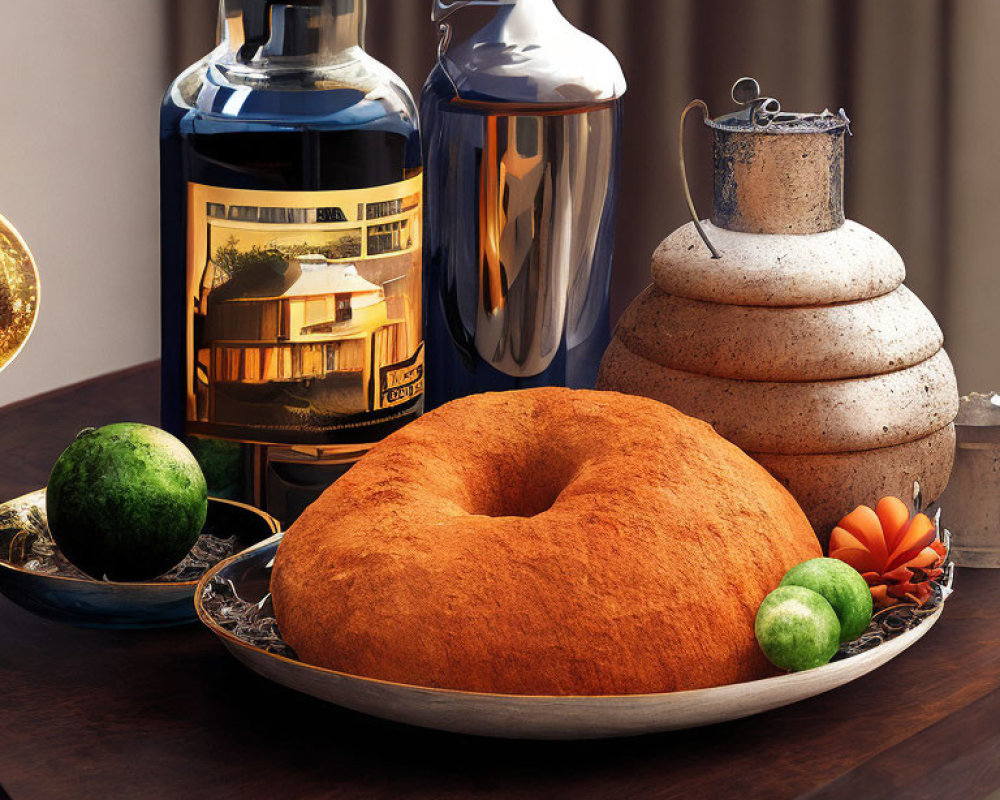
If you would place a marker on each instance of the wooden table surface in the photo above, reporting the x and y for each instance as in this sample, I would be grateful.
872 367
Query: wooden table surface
169 714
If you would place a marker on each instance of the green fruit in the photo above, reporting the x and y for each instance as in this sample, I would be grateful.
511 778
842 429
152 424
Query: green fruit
221 462
842 586
797 628
127 501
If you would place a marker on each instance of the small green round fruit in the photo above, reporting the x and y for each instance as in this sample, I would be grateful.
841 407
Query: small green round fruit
797 628
126 501
842 586
221 461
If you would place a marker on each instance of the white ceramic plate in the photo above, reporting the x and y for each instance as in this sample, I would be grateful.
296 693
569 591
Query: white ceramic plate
529 717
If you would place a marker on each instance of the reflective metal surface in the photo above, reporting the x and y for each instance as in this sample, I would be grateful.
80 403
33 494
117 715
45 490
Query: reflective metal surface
19 293
442 10
530 53
544 181
758 112
522 135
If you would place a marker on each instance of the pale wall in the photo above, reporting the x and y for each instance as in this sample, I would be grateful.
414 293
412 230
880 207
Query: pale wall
79 178
78 157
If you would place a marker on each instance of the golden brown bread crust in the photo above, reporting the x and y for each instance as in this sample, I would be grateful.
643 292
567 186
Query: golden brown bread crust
545 541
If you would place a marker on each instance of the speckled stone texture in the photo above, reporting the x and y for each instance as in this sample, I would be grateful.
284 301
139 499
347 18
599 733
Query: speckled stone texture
544 541
800 343
778 182
818 417
970 504
757 269
829 485
813 343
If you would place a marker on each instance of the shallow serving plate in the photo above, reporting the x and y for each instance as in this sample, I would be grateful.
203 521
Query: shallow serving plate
66 595
242 581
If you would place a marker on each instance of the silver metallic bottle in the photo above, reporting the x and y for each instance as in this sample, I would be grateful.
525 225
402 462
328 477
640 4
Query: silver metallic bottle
521 135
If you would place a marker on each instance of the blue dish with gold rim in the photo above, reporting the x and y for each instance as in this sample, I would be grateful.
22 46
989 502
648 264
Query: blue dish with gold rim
35 575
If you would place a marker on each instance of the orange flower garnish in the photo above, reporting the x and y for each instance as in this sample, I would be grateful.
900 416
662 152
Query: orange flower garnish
897 556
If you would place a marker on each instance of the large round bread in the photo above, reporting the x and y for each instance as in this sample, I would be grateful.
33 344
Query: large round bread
546 541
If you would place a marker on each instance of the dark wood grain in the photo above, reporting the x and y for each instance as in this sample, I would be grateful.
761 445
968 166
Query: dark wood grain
168 714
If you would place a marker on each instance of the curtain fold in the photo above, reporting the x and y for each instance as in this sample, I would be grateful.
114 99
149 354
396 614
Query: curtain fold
915 76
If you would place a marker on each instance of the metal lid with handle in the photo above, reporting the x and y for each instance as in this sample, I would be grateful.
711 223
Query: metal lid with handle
774 171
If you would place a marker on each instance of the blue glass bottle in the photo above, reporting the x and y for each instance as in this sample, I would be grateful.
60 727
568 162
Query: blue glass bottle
521 133
291 248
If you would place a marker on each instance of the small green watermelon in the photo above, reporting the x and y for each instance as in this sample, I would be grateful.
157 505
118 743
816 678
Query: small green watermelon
126 501
842 586
797 628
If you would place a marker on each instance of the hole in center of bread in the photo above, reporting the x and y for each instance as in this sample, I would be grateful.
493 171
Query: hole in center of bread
526 491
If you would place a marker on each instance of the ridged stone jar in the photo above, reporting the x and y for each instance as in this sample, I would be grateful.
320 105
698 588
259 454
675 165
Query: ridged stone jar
799 343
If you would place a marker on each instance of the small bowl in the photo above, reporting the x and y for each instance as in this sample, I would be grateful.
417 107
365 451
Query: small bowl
64 594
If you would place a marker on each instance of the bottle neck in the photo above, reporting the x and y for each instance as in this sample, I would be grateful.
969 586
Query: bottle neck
290 31
524 19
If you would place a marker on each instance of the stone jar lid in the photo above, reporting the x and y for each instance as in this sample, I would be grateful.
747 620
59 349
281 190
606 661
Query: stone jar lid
810 343
815 417
843 265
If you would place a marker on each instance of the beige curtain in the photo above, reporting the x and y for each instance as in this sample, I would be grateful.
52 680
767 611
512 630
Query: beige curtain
915 76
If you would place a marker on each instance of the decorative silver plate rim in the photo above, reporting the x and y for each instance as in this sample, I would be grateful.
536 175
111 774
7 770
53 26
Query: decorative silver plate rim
548 716
116 585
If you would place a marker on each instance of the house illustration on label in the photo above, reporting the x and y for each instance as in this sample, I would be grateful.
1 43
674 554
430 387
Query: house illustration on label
304 337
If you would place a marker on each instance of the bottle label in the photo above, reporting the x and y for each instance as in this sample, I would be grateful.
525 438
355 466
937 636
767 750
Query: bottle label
304 316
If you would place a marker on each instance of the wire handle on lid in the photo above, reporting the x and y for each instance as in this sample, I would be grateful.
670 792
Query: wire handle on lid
760 111
684 179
